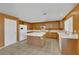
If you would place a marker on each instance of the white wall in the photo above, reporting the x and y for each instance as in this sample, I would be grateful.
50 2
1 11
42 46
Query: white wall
69 25
10 32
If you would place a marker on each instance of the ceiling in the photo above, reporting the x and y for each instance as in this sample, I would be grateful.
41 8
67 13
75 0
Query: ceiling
37 12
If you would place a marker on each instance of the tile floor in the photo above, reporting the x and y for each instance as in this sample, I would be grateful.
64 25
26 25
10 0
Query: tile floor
22 48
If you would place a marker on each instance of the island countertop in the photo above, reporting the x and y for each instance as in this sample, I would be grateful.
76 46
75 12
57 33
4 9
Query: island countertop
37 34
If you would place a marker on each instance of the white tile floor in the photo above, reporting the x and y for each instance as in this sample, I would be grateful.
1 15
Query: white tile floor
21 48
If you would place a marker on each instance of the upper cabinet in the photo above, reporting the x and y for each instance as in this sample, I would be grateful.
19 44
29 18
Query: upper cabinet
62 25
54 25
29 26
68 24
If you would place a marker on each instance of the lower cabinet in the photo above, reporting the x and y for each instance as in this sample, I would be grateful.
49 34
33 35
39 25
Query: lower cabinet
69 46
53 35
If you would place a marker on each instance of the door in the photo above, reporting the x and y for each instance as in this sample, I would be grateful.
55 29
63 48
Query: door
10 32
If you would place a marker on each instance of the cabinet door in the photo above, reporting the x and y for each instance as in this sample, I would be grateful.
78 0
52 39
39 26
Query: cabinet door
1 31
10 32
52 35
69 46
29 26
61 25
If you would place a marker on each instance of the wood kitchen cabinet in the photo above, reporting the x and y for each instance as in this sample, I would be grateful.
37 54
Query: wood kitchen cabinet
53 35
36 26
61 25
29 26
1 31
69 46
54 25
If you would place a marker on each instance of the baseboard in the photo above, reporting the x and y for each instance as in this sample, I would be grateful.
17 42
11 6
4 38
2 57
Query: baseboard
8 45
1 47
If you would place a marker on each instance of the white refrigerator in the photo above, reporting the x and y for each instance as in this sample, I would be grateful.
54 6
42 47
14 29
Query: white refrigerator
22 32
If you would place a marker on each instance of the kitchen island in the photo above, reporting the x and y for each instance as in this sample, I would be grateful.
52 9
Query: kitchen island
36 38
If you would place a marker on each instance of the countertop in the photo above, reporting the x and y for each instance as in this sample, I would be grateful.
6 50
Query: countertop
37 34
61 33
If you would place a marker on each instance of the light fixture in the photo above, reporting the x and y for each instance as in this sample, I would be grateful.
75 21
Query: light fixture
44 16
44 13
